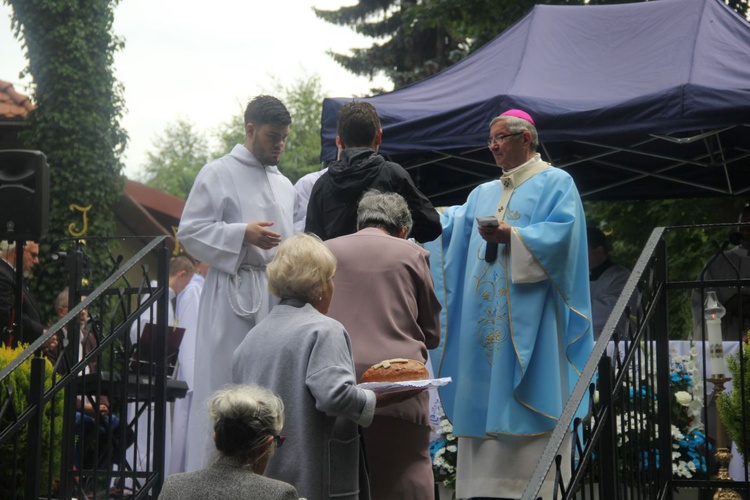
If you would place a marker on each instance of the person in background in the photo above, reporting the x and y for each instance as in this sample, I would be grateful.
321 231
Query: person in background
187 305
518 312
332 210
247 423
30 315
92 413
728 265
305 357
385 299
304 188
181 271
239 209
606 279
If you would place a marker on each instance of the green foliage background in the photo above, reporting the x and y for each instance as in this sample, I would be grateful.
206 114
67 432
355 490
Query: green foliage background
182 149
11 470
732 404
75 122
412 40
631 223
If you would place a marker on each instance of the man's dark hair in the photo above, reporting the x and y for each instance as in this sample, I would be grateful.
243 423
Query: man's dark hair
266 109
357 124
597 238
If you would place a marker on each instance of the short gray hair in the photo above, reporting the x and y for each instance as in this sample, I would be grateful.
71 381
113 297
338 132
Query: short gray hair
516 124
244 416
385 210
62 298
301 268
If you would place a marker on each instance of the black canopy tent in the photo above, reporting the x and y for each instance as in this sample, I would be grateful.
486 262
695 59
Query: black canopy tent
645 100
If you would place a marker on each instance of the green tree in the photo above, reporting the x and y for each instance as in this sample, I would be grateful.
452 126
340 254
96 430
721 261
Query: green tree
415 39
229 133
304 100
180 153
631 224
70 48
410 50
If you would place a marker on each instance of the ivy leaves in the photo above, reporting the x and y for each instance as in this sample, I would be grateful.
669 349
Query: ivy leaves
76 121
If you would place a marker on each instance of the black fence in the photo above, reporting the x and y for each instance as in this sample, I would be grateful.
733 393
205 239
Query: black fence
642 421
87 418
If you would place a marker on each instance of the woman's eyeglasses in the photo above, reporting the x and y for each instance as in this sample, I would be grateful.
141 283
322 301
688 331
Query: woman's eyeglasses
279 440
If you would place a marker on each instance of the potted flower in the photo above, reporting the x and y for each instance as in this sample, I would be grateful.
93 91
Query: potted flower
687 430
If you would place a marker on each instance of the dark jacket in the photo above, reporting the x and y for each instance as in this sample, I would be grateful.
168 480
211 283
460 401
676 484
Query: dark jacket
30 316
332 211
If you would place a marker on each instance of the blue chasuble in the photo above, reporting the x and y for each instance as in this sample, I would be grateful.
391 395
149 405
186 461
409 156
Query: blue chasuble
514 350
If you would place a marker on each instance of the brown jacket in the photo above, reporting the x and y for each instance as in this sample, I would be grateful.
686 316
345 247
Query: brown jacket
385 298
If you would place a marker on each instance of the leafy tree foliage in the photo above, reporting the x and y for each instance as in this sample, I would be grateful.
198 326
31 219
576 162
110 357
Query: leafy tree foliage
410 50
415 39
75 123
180 153
181 150
304 99
631 223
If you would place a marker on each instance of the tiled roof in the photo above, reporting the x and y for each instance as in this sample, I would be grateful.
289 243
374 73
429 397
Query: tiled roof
12 104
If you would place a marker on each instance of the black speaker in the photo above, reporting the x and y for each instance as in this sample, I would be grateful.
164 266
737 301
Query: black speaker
24 195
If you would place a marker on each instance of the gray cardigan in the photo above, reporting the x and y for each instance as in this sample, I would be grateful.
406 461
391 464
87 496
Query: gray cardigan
226 479
305 358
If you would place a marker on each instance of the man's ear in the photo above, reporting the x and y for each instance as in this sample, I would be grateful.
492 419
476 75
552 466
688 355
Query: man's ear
339 143
249 131
526 138
379 137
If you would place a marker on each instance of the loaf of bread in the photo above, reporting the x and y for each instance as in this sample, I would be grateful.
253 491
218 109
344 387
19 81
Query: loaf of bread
395 370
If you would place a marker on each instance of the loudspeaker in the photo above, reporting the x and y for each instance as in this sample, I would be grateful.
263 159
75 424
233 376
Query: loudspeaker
24 195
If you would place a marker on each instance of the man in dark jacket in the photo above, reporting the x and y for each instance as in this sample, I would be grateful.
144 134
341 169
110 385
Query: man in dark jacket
332 211
30 315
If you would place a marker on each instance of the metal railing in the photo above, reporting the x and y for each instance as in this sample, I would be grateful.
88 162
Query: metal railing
636 441
75 419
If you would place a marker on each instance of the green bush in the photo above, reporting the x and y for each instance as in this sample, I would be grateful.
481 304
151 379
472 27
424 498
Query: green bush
13 464
730 403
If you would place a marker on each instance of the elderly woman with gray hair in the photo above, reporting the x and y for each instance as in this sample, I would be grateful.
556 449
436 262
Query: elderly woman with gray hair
386 301
305 357
247 422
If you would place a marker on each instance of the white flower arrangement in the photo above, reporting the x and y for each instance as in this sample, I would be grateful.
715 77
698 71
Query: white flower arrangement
444 451
687 430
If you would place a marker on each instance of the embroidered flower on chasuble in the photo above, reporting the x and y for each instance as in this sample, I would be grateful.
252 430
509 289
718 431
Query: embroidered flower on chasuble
493 328
512 215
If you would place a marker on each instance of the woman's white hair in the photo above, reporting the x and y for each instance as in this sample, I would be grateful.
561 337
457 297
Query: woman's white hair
244 416
301 268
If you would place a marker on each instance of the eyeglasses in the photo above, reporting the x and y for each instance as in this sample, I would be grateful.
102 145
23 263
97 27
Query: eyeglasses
499 139
279 440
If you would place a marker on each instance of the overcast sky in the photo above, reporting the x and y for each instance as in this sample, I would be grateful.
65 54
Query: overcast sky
202 60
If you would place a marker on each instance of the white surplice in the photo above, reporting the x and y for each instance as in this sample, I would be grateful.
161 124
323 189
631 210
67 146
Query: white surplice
304 188
228 194
186 309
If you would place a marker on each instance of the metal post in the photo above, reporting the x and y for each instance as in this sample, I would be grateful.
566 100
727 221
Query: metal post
70 353
34 439
661 324
18 325
160 397
608 477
